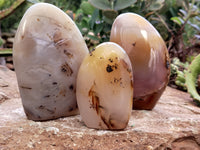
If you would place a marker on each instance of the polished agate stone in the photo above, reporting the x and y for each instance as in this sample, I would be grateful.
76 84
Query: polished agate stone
148 54
48 50
105 88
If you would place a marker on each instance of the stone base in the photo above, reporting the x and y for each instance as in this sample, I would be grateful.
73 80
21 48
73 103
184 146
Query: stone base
173 124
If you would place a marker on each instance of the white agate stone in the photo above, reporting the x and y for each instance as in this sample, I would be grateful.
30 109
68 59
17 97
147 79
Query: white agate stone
48 50
105 88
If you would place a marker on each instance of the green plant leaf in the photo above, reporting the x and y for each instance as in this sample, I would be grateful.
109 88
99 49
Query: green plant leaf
34 1
101 4
197 18
87 8
180 79
1 41
195 26
121 4
177 20
98 28
156 5
2 3
183 12
5 51
107 28
93 37
110 14
4 13
85 23
191 77
94 18
107 20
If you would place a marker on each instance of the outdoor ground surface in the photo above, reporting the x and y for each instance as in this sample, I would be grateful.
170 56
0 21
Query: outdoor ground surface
174 124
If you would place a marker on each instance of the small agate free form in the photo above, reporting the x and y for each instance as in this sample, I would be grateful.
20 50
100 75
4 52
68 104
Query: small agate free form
148 54
105 88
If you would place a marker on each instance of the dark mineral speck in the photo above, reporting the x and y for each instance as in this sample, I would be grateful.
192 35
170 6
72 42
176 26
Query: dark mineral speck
54 83
91 54
111 60
115 66
71 87
109 68
71 109
24 87
46 96
134 44
41 107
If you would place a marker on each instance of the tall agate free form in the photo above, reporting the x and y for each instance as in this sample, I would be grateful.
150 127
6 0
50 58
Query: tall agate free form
148 55
48 50
105 88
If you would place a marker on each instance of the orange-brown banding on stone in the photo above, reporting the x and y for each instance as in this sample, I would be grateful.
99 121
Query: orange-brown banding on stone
95 99
66 69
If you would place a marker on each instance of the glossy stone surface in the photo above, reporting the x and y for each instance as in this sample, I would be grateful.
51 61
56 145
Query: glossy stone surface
48 50
148 54
105 88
